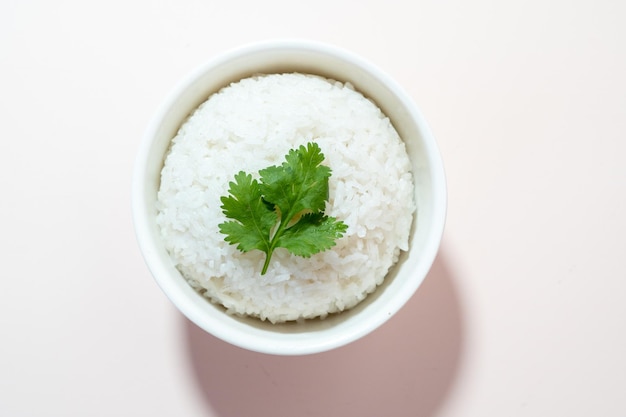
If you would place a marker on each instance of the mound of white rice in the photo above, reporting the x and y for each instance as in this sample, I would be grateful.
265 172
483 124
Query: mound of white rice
251 125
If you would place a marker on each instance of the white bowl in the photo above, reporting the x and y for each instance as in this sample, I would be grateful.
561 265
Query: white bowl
430 192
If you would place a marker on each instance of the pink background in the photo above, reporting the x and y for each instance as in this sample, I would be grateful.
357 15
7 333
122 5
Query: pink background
523 313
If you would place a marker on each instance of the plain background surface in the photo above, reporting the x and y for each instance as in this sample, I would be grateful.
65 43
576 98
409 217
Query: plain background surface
523 313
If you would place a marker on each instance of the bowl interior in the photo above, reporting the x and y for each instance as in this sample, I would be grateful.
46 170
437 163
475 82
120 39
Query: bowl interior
402 281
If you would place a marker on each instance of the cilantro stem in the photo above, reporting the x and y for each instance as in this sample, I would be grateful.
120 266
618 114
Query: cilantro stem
272 246
267 263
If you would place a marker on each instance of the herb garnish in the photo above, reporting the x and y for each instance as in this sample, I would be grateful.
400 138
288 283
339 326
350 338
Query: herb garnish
284 208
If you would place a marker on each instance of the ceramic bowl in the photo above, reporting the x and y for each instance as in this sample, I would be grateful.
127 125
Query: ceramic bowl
404 278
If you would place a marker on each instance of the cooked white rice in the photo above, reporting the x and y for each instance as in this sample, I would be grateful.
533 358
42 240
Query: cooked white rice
251 125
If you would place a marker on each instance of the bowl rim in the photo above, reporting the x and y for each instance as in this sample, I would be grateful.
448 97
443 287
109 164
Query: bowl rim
255 341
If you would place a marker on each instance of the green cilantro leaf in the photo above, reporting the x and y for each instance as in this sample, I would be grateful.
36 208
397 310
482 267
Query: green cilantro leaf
284 209
300 183
313 233
254 219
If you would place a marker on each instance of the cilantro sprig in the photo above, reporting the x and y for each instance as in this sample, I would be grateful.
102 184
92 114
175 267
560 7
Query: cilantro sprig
284 208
